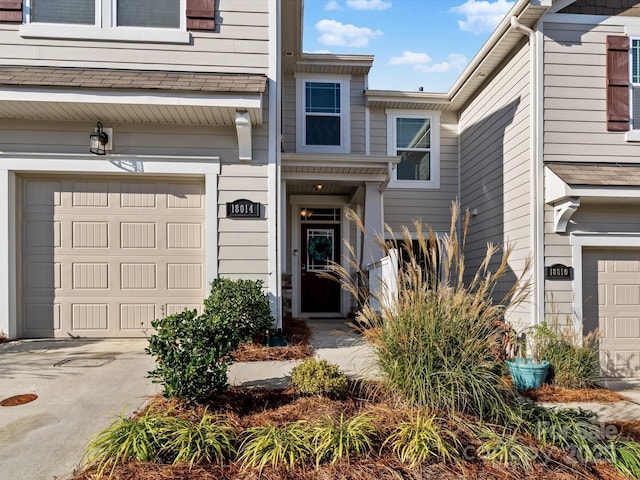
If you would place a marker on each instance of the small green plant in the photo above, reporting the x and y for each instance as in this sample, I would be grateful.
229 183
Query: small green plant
336 440
210 440
507 450
242 303
141 439
421 438
624 455
574 430
574 361
274 445
192 353
319 377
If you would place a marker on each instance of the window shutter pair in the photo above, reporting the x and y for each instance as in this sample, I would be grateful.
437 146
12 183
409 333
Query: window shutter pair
200 13
618 83
11 11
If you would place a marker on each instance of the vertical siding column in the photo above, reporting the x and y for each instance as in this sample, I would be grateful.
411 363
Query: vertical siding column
373 222
8 323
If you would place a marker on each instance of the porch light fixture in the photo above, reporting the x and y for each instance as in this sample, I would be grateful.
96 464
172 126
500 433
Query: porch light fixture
318 187
98 140
305 213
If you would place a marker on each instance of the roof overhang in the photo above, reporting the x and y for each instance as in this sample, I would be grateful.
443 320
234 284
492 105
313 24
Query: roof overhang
568 184
328 63
342 168
127 96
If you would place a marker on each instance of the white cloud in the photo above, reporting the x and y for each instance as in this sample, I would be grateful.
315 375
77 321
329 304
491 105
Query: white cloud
481 15
421 62
338 34
332 5
410 58
368 4
454 62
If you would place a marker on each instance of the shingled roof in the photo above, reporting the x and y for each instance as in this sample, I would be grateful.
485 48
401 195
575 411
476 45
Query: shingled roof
132 79
578 174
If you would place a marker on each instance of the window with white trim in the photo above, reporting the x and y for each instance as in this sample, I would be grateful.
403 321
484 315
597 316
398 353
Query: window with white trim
135 20
415 138
322 116
123 13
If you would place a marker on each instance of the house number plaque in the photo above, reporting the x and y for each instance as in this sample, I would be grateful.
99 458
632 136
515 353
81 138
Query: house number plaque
558 272
243 209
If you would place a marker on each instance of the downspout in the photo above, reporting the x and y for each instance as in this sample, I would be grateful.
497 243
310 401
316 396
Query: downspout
536 248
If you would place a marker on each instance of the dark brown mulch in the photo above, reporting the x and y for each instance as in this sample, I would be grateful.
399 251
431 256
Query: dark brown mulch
296 331
550 393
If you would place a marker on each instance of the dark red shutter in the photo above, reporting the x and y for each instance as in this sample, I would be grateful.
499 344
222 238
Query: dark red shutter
618 83
11 11
201 14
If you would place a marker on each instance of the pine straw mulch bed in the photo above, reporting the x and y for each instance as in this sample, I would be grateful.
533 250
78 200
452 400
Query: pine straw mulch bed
551 393
246 407
296 331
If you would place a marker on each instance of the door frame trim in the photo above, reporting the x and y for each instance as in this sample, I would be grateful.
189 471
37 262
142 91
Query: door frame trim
297 202
578 243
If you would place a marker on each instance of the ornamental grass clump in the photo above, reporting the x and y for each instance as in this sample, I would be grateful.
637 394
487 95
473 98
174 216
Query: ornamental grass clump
437 342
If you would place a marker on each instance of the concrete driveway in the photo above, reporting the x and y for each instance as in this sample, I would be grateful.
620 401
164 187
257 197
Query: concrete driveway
82 385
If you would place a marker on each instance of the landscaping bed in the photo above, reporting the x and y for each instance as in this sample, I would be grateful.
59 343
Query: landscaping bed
295 331
245 408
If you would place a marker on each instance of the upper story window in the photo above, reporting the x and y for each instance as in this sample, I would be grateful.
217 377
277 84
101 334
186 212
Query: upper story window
635 83
415 138
322 115
127 20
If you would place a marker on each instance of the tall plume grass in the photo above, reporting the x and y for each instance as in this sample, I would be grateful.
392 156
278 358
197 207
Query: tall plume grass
436 342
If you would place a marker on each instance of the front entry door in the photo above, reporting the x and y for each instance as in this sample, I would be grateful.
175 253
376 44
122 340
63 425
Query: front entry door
321 246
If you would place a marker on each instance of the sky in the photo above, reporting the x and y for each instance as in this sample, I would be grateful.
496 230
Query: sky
416 43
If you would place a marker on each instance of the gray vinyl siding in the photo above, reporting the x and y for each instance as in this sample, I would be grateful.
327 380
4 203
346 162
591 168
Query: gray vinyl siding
575 127
494 168
243 243
238 45
432 206
289 113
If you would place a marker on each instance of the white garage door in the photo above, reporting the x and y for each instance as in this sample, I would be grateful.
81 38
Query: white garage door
611 285
102 257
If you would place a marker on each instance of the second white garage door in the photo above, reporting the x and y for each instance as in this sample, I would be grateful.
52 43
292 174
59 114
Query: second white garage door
102 257
611 285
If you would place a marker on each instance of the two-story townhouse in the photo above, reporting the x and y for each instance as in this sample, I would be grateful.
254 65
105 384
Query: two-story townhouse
179 97
216 102
536 137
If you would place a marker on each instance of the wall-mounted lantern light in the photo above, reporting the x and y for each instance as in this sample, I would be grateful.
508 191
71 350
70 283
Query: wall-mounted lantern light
98 140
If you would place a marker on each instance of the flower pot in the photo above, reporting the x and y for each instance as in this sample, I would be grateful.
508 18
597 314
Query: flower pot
526 373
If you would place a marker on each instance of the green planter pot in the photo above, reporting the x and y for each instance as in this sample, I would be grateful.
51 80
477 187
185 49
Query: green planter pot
526 373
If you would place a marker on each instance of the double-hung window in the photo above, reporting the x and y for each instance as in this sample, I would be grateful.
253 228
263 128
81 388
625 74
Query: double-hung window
143 20
414 137
322 115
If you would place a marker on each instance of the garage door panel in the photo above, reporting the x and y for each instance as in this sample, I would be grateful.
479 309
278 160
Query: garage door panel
616 283
104 258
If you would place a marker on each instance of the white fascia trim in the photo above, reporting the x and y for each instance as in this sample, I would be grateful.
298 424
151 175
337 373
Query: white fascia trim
234 100
113 34
151 164
434 115
578 242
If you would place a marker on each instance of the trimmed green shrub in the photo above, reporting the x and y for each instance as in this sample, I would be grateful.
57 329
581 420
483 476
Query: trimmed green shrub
242 303
193 354
318 377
